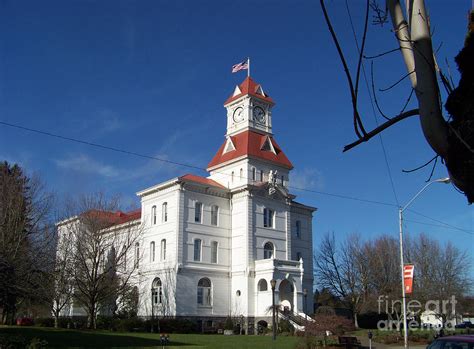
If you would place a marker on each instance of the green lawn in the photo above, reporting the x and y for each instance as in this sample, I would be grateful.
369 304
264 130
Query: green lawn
62 338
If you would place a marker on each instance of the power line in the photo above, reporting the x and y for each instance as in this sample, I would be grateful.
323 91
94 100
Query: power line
441 222
439 226
373 108
124 151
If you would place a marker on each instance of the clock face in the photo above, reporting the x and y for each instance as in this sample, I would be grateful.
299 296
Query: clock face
259 114
238 114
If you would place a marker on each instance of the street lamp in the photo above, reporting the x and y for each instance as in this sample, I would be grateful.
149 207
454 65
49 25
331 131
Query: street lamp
305 294
273 284
400 219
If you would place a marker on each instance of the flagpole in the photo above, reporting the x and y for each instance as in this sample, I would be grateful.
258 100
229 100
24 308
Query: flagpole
248 62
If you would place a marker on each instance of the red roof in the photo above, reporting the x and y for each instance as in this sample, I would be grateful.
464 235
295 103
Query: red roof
201 180
109 218
249 87
249 143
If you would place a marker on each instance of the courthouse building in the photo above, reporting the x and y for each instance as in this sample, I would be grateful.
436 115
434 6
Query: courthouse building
211 245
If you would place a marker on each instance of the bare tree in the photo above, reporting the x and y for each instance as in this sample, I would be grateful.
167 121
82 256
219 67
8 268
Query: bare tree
442 274
106 252
341 270
452 141
61 277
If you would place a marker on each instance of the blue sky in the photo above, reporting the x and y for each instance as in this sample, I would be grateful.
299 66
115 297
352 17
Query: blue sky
151 77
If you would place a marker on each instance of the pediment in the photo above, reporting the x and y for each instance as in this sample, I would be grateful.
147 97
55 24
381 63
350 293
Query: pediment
268 145
237 91
229 145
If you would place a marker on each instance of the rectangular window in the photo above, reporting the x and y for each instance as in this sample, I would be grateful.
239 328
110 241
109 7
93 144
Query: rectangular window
198 212
214 214
298 229
164 212
197 250
214 246
268 218
137 255
153 214
200 297
152 251
163 249
298 256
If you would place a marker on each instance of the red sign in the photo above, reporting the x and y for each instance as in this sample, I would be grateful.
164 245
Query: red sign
408 271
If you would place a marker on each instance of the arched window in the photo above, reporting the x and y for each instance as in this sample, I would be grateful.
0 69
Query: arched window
268 250
298 229
254 174
241 174
261 176
152 251
164 212
198 212
282 180
232 177
197 250
204 292
262 285
153 214
163 249
157 291
214 214
214 246
137 254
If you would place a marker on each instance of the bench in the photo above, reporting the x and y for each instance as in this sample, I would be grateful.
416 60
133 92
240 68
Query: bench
349 342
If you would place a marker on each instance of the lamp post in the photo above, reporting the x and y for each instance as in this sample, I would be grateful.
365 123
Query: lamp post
273 284
305 294
400 219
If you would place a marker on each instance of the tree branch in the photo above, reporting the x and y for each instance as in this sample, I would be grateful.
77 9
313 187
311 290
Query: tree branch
382 127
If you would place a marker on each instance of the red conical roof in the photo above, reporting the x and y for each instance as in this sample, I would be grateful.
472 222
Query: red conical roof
249 87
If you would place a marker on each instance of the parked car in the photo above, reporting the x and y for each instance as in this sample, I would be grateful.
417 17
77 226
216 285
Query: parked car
465 324
453 342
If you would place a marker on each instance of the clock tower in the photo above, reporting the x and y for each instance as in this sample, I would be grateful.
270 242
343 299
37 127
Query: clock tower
249 108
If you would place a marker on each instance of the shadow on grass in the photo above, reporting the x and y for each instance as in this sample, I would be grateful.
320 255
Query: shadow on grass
60 338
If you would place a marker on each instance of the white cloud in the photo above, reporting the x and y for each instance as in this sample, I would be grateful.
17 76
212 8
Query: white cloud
307 178
83 163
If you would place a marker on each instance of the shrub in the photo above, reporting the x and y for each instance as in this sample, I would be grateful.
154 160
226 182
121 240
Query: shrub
37 343
107 323
133 324
24 321
12 341
337 325
44 322
229 324
285 327
169 325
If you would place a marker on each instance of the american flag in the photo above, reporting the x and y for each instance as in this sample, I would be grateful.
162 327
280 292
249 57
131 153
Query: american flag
240 66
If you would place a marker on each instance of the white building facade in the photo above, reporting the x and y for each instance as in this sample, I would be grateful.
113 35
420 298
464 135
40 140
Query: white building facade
211 245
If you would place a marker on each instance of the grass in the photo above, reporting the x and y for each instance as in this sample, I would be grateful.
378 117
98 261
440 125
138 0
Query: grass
61 338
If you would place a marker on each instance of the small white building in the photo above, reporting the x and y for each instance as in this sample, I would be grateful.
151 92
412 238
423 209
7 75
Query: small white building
212 244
